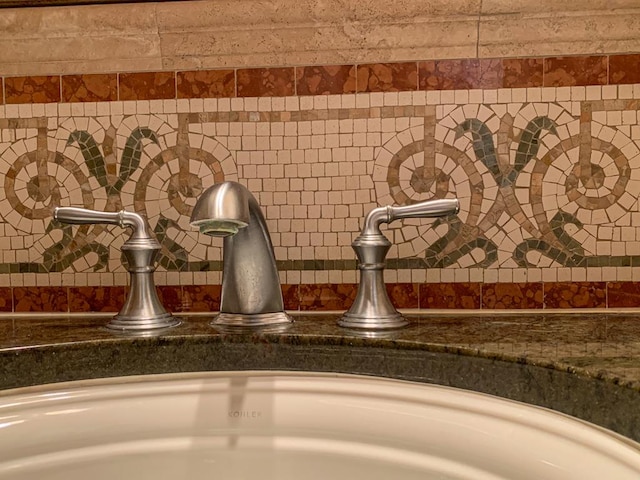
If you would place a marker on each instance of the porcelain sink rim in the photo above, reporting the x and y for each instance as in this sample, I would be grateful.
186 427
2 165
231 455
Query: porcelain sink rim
309 383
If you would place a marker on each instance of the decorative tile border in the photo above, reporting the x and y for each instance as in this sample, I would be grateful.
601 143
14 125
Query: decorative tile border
328 79
545 177
337 297
546 172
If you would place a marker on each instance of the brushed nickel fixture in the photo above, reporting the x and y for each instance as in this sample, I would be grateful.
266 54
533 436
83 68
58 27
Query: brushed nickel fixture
142 310
251 292
372 308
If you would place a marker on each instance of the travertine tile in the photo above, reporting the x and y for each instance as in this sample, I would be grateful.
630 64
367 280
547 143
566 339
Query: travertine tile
545 32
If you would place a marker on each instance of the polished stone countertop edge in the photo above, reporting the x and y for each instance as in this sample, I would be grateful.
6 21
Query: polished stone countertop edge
319 328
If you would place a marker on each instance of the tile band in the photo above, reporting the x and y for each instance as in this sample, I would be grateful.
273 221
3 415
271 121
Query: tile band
433 75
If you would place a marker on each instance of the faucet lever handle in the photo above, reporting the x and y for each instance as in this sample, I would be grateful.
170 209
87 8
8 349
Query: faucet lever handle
124 219
82 216
426 209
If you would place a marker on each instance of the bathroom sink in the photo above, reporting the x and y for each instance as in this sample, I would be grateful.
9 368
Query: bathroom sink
286 425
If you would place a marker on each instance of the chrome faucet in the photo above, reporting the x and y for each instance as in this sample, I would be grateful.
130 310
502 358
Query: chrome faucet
142 310
251 293
372 308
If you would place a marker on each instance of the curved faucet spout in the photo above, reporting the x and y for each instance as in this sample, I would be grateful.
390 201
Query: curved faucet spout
251 293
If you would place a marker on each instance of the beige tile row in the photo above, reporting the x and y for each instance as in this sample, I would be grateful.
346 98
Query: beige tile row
521 275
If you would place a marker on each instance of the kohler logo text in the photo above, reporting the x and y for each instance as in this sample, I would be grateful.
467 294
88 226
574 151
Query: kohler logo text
245 413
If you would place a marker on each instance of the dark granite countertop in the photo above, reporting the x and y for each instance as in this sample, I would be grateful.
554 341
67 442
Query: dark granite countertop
586 365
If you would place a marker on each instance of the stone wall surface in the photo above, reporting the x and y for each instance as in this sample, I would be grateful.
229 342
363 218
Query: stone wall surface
249 33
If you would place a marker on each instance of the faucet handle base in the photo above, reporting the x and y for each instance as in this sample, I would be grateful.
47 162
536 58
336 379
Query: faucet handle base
140 324
373 322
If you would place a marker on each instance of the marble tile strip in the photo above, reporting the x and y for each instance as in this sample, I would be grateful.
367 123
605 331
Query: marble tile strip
327 79
323 297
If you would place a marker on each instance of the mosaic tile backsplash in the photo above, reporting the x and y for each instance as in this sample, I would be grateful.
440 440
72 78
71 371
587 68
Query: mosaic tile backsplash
548 179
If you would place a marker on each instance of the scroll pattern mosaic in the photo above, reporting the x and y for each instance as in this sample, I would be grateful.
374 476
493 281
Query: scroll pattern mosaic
542 184
548 180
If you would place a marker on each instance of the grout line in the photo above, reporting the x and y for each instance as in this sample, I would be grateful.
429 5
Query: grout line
478 30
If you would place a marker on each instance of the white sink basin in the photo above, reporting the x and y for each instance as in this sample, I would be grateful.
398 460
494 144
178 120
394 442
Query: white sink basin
278 425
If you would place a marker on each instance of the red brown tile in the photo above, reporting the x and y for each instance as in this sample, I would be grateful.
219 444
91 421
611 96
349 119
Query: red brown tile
171 297
522 72
266 82
207 84
35 89
326 80
512 295
623 294
96 299
90 88
327 296
404 295
570 71
6 299
450 295
147 85
387 77
575 295
40 299
624 69
291 297
201 298
460 74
